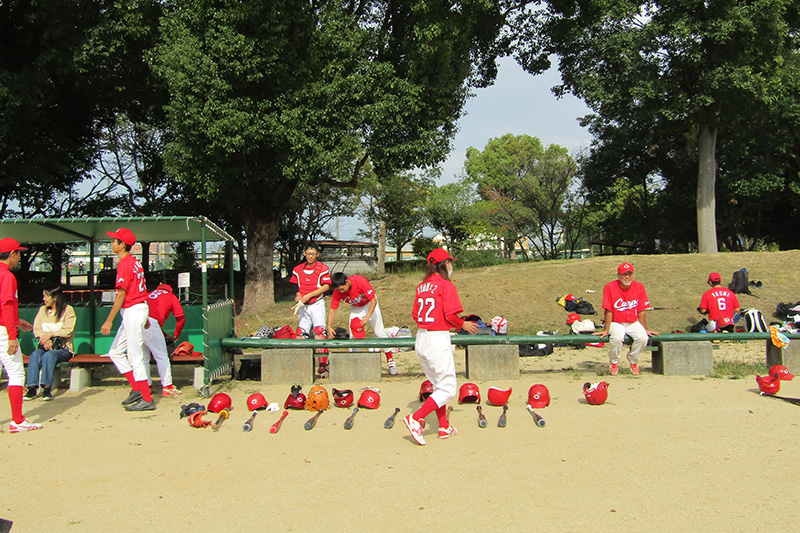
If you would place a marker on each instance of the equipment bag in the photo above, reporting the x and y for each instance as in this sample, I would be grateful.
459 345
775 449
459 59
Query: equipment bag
754 321
739 282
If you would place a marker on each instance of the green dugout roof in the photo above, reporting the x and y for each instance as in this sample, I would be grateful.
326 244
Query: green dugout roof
146 229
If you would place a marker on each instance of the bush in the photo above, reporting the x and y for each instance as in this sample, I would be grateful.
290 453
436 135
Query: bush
479 258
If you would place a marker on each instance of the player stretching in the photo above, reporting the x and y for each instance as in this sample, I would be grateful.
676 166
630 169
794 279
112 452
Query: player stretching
357 291
436 308
130 302
313 279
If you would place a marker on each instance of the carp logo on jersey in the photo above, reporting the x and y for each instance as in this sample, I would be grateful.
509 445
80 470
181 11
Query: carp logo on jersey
622 305
359 301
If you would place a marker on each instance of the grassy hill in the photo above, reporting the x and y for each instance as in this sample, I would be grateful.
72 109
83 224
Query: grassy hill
525 293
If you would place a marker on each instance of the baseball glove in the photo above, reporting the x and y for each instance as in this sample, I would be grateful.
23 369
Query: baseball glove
317 399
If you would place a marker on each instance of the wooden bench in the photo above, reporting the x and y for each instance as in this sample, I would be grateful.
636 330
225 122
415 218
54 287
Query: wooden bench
80 366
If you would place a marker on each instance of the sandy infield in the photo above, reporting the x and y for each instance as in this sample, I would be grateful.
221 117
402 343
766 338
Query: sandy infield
664 453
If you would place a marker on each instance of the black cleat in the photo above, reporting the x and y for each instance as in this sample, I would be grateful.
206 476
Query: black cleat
134 397
142 405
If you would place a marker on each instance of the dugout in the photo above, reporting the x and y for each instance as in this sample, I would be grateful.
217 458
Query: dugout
206 324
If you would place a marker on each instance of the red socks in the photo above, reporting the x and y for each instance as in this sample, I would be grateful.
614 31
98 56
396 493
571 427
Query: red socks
427 408
129 376
441 413
15 399
144 390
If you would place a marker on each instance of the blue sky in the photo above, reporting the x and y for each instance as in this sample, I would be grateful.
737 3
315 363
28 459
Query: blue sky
517 103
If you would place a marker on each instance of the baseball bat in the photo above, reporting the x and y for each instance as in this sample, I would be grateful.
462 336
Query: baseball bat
502 422
249 424
481 419
348 424
389 424
312 421
277 425
795 401
220 419
538 419
660 308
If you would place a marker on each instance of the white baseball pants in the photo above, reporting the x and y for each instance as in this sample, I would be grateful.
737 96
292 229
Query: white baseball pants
616 334
435 353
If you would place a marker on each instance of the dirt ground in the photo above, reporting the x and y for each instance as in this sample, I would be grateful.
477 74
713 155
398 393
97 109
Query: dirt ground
663 453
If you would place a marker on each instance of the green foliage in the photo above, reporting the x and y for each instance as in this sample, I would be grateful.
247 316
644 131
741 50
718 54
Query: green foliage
185 258
448 209
479 258
422 246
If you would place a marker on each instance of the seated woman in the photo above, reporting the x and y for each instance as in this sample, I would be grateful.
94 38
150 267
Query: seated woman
54 327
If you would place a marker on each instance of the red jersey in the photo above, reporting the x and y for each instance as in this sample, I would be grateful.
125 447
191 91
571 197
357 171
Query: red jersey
625 304
308 279
359 295
130 278
162 302
9 306
720 303
436 298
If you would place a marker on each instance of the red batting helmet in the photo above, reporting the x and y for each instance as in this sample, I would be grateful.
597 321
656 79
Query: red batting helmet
343 398
369 399
425 390
469 393
498 396
219 402
782 371
357 328
256 401
296 399
538 396
573 317
596 394
769 384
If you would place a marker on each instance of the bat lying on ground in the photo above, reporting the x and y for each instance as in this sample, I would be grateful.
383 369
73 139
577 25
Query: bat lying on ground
348 424
389 424
502 422
660 308
795 401
481 419
536 418
249 424
220 419
277 425
312 421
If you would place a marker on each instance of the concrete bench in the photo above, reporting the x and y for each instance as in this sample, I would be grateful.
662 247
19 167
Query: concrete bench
492 361
788 356
683 358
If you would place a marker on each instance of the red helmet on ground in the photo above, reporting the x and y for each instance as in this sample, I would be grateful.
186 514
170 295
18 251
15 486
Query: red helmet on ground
782 371
469 393
538 396
573 317
425 390
357 328
769 385
296 399
596 394
343 398
219 402
498 396
256 401
569 298
369 399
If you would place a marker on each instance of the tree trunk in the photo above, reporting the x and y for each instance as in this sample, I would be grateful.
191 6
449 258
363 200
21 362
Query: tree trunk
259 283
381 249
706 195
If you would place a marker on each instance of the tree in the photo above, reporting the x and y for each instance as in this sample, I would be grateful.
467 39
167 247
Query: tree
448 209
698 64
268 95
527 185
399 201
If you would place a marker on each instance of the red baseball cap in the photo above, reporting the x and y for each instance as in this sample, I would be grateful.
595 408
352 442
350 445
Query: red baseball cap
574 317
123 234
438 255
357 327
625 267
9 245
714 277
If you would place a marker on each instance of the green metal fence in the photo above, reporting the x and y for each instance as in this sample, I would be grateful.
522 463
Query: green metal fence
217 325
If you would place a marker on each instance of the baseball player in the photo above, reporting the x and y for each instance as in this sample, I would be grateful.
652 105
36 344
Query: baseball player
436 308
357 291
624 303
313 279
10 353
127 349
720 304
162 302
